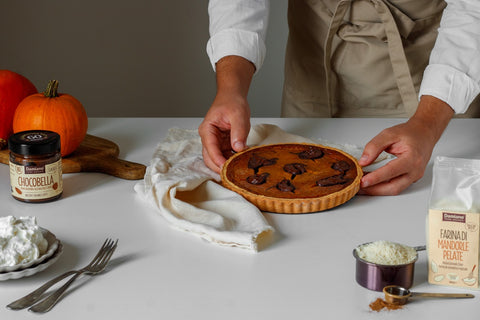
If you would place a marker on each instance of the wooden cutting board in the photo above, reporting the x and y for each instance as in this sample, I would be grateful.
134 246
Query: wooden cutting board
95 154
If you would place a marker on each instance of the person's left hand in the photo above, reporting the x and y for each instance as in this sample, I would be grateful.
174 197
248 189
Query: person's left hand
411 145
411 142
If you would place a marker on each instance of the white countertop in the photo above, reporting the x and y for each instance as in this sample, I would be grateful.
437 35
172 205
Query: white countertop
161 273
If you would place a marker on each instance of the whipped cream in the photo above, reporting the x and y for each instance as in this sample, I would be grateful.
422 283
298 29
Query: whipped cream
21 240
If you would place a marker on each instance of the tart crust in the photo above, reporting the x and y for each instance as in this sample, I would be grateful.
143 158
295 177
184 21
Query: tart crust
293 177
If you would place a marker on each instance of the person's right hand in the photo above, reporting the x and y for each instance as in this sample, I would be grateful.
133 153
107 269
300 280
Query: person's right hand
224 128
227 122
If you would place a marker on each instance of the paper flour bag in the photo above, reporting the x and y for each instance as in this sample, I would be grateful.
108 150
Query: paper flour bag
453 221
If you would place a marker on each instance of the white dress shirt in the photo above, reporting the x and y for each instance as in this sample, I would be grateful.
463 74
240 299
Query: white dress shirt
238 27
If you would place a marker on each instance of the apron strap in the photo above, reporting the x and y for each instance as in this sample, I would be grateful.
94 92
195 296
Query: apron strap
335 22
396 51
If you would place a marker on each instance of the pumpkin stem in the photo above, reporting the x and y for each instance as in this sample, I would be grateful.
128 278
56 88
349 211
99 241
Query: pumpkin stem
52 89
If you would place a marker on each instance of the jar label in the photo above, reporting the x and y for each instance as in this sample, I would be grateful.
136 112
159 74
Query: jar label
453 248
36 182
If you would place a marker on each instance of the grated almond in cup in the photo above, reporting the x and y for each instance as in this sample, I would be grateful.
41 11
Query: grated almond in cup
386 253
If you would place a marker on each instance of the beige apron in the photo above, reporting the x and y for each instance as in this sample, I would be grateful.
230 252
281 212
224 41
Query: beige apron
357 58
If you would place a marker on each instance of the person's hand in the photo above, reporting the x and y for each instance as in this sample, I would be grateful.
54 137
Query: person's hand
412 143
224 128
227 122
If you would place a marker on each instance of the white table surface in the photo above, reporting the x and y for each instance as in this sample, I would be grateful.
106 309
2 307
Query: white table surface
160 273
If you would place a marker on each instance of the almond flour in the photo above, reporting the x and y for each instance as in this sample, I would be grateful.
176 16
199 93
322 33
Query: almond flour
453 220
386 253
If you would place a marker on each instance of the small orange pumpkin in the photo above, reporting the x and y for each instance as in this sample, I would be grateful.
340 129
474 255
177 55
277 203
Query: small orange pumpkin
13 88
58 112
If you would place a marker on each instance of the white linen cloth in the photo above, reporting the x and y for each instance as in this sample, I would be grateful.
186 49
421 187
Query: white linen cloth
185 192
239 27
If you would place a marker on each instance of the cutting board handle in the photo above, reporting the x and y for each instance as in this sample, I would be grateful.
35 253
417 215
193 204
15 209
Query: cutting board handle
116 167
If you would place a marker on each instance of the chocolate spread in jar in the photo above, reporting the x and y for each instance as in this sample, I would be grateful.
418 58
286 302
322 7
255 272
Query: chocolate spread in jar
35 166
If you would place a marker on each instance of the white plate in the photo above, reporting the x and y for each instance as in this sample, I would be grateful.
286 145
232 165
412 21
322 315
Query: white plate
34 269
52 247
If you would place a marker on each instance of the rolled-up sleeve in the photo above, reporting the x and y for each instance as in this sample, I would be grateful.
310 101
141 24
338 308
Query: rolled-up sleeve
453 73
238 27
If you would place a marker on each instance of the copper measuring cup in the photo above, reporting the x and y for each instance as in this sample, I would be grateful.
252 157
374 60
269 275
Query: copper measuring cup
376 276
399 295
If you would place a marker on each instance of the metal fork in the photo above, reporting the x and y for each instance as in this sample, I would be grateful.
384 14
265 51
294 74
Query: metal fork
97 265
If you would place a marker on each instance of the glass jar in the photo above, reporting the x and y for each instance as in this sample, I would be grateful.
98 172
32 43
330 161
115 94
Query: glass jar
35 166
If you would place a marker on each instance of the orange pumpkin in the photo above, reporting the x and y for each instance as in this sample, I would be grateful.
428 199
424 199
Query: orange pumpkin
13 88
58 112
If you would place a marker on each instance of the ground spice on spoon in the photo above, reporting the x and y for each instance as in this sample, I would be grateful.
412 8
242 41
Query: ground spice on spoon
381 304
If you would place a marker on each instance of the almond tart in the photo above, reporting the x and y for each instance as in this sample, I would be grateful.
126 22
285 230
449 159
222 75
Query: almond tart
293 177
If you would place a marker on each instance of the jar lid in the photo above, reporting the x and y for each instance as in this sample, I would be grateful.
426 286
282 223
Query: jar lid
34 142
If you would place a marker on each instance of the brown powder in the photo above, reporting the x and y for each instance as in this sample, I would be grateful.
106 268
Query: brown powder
381 304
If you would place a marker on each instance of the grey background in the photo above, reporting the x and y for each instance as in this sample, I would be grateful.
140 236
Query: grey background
130 58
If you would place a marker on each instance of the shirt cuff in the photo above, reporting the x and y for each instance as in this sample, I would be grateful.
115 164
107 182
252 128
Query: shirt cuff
450 85
234 42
